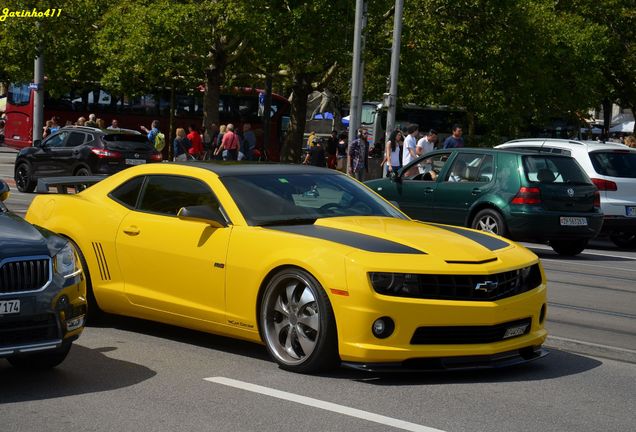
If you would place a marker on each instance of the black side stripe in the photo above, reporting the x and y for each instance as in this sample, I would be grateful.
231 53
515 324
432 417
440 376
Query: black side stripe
485 240
104 272
359 241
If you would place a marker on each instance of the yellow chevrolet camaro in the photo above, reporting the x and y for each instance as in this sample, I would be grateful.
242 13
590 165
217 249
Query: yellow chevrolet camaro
305 260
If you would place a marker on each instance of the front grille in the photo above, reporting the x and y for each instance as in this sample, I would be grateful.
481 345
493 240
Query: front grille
455 335
460 287
27 275
38 328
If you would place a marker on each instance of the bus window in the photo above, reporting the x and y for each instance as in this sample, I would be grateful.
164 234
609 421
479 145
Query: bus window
19 94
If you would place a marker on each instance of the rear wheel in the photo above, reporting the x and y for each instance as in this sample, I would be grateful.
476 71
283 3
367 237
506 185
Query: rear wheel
568 247
625 240
83 171
23 180
41 360
297 323
491 221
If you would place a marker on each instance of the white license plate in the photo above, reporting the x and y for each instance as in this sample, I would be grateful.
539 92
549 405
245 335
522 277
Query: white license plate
9 307
515 331
573 221
135 161
630 211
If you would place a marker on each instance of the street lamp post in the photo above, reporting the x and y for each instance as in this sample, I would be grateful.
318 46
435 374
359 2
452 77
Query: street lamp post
356 74
391 100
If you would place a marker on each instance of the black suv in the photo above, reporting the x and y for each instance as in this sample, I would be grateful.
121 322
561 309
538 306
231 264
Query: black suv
80 151
42 292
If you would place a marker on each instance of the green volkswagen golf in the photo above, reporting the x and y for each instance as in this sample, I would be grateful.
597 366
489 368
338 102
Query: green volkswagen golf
524 196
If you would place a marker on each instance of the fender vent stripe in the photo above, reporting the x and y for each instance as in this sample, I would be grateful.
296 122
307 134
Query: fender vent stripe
104 272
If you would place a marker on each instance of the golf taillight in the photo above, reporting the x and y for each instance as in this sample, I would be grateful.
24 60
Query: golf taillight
604 185
527 195
106 154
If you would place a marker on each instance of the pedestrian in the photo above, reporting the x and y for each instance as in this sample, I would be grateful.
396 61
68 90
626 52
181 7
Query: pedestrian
341 153
427 143
81 121
92 121
392 152
209 138
310 139
55 124
155 136
217 153
249 141
316 155
455 140
114 124
331 150
196 150
358 155
47 128
230 143
181 145
410 144
101 123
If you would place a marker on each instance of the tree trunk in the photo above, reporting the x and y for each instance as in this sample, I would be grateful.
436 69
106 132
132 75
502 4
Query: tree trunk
292 148
171 129
213 79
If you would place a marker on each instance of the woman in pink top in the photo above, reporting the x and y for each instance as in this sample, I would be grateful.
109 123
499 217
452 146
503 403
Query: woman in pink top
230 142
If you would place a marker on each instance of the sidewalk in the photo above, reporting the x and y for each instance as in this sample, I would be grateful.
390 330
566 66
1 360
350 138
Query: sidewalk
4 149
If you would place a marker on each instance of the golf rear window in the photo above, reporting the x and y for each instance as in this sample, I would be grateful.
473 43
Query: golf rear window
616 163
544 168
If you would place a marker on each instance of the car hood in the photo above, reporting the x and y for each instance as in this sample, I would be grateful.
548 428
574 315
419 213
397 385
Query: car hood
19 238
392 235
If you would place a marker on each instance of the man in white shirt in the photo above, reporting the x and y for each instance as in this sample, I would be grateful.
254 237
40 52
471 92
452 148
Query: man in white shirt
427 143
410 144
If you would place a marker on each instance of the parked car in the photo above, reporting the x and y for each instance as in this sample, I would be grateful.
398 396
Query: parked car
81 151
42 292
520 195
302 259
612 168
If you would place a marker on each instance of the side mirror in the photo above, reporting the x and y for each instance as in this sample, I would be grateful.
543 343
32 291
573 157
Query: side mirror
203 213
4 190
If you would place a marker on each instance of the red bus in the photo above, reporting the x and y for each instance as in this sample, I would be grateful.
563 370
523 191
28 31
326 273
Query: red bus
238 107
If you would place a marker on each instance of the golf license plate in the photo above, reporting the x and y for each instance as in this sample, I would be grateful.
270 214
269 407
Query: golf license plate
135 161
9 307
630 210
573 221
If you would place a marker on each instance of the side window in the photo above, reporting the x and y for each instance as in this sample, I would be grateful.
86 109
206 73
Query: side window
486 170
56 140
89 138
75 139
168 194
128 192
467 166
426 169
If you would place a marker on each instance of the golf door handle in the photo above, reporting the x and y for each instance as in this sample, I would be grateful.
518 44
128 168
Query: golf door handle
132 230
476 191
428 190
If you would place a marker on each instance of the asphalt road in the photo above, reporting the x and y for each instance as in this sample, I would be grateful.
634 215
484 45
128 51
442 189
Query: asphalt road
137 375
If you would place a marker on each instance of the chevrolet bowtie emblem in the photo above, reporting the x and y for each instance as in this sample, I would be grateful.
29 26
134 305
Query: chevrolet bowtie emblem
486 287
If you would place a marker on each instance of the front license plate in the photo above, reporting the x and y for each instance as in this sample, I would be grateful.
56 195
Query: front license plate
515 331
630 211
9 307
135 161
573 221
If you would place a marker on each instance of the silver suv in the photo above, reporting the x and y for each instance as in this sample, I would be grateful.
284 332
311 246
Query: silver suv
612 168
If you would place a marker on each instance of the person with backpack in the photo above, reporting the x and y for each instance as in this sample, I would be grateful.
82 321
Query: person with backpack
155 136
231 143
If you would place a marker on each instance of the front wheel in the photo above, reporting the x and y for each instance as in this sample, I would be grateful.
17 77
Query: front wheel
491 221
624 240
297 323
568 247
23 180
41 360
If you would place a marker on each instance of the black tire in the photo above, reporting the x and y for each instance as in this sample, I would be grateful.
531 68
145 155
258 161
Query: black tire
82 171
297 323
568 247
41 360
625 240
490 220
23 178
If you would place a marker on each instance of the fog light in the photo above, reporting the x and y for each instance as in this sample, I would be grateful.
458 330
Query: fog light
542 314
383 327
75 323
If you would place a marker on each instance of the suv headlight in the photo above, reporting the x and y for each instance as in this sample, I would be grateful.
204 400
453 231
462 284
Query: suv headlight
65 262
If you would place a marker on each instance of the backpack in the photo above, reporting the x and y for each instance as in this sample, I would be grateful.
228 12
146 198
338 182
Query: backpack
160 141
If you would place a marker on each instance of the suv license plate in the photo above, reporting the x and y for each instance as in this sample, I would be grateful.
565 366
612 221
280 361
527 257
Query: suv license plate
573 221
630 211
135 161
9 307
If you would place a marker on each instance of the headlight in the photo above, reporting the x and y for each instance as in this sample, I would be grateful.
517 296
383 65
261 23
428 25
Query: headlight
396 284
530 277
65 263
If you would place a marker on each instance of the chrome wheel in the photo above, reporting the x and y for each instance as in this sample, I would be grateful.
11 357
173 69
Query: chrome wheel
490 221
297 323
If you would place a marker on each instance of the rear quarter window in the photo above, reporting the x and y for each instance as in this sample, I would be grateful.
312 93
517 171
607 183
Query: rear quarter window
544 168
616 163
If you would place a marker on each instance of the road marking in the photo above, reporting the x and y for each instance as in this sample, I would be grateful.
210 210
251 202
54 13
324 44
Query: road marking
546 248
587 309
580 342
317 403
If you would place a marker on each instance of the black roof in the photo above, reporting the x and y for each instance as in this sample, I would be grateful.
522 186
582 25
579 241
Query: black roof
257 168
104 131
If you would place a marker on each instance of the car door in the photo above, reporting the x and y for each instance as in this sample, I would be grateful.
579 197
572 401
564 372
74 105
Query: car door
469 176
173 268
417 184
67 156
45 161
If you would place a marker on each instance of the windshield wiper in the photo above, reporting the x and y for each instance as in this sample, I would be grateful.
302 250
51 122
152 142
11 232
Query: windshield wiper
290 221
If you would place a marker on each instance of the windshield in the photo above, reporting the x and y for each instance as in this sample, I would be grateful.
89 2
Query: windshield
618 163
544 168
270 199
127 142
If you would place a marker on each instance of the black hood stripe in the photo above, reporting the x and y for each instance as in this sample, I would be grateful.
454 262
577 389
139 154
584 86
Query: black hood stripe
485 240
359 241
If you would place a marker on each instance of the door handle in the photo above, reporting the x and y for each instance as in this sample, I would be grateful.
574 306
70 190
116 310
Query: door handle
132 230
476 191
428 190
